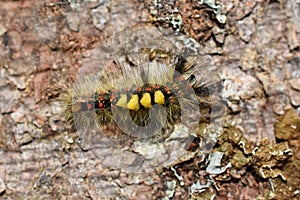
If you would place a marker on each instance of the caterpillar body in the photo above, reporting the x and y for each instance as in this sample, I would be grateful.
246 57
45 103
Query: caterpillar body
142 81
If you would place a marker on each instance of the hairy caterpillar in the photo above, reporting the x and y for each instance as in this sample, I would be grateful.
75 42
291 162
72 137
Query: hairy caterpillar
142 81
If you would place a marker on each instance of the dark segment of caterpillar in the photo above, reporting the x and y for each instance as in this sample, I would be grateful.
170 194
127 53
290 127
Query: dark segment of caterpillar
138 102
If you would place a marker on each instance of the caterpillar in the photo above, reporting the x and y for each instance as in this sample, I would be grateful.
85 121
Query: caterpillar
142 81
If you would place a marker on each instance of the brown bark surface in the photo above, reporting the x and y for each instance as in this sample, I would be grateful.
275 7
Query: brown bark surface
257 52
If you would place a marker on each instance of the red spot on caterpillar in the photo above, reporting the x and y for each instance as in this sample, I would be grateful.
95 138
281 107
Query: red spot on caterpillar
167 90
156 86
100 98
112 98
89 106
148 89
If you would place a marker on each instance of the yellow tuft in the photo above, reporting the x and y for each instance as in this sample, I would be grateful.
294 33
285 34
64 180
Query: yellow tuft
159 97
122 101
133 103
146 100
